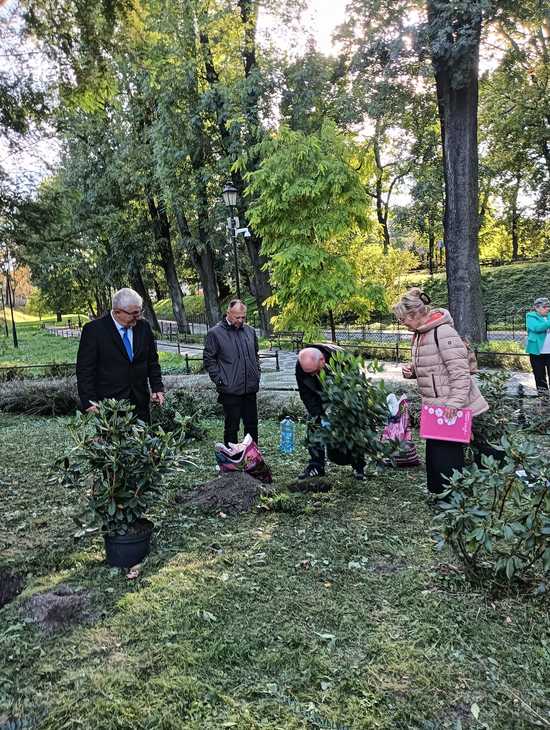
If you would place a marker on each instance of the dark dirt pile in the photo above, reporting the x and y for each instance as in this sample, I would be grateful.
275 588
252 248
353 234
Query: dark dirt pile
59 609
230 493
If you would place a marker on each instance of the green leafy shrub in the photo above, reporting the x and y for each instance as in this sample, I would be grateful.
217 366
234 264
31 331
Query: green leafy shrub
498 517
9 374
277 405
503 414
199 402
59 370
58 397
356 410
170 417
201 398
507 355
118 462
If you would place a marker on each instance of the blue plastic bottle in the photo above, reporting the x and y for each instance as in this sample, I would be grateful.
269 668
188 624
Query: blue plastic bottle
287 436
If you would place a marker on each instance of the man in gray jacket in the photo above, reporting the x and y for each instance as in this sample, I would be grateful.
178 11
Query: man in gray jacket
231 359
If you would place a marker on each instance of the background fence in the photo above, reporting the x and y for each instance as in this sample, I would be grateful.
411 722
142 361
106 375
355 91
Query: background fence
190 364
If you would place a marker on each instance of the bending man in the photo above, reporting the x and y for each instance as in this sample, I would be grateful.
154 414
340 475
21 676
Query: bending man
311 360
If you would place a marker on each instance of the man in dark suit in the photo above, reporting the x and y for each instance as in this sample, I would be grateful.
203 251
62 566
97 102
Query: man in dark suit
117 358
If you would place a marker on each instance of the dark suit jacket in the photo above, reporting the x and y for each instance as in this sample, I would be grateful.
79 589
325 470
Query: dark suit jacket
104 370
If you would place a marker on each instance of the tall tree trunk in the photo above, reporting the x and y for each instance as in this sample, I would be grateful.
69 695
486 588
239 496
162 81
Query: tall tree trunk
332 325
203 261
223 287
381 208
159 292
262 287
136 279
202 258
514 219
458 103
90 309
431 245
161 233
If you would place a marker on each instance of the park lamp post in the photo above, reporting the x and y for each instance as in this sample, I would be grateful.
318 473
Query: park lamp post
230 199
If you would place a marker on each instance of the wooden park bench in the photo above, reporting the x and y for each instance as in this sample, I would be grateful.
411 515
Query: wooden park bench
294 339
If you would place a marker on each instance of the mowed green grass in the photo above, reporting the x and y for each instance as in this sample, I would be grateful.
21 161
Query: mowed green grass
336 614
36 346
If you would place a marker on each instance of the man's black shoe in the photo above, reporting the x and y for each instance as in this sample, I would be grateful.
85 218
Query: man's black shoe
311 471
359 474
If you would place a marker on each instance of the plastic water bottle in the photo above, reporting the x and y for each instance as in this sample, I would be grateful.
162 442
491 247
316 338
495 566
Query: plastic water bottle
287 436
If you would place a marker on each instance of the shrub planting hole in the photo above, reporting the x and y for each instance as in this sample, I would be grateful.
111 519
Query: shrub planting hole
58 609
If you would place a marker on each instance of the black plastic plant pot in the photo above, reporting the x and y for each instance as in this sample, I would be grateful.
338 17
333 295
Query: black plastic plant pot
123 551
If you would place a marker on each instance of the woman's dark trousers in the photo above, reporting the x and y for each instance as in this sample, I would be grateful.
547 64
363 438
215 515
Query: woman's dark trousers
541 370
443 457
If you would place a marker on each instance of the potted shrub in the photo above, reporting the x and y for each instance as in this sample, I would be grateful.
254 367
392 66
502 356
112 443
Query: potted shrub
119 462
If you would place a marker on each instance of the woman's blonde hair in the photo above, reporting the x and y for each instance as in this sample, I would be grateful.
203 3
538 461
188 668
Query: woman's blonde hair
415 301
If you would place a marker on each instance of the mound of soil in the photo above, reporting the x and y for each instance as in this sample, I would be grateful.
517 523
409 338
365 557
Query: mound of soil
59 609
11 585
230 493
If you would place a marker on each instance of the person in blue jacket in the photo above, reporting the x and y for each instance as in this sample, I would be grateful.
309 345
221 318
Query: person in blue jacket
538 343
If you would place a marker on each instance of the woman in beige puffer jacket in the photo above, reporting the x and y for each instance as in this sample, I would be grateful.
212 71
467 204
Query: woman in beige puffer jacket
441 366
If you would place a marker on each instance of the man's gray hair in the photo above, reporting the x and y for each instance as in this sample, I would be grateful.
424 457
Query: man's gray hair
124 298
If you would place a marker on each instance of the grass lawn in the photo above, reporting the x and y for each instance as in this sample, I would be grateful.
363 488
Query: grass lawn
37 347
335 614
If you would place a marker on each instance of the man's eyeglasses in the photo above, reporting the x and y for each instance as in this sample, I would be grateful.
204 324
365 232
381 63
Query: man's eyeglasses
135 313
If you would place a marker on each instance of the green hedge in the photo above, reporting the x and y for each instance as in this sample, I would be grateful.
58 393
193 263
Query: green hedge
504 287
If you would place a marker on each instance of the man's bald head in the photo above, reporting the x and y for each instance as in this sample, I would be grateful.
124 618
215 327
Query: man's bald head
311 360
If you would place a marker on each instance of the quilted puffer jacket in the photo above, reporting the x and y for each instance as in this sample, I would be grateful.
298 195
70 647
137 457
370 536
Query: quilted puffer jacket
443 372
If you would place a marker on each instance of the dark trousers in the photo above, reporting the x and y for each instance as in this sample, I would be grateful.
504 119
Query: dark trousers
443 457
235 408
142 412
317 455
541 370
317 458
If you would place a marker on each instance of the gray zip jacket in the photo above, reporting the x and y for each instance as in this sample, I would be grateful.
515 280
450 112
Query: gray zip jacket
231 358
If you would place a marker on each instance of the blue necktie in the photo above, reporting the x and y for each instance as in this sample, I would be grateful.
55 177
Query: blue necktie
128 344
